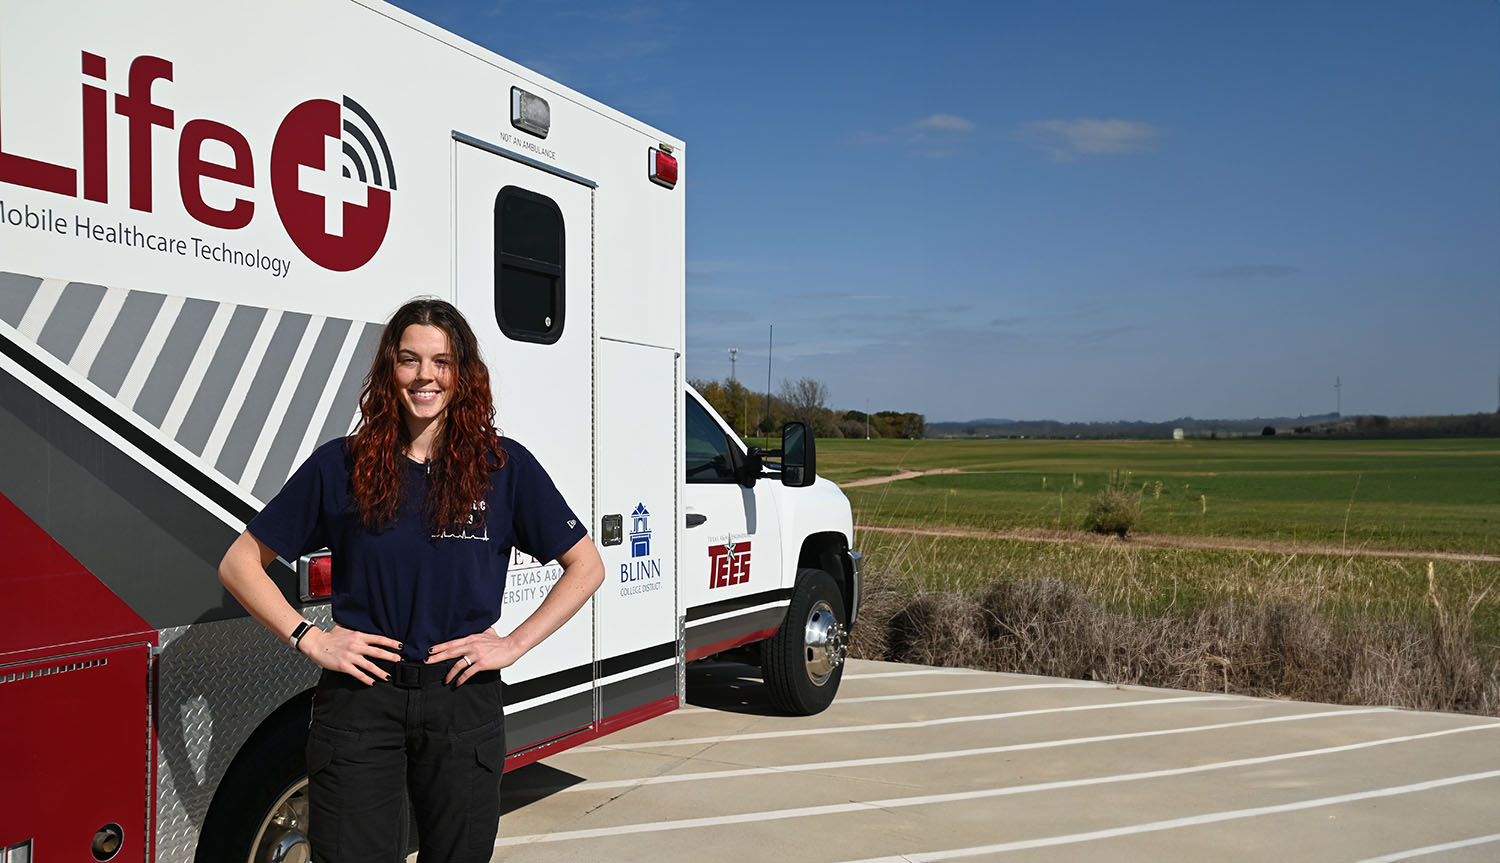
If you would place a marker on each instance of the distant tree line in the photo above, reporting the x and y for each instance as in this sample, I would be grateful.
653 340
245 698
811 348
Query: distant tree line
1323 426
1377 426
752 413
1119 429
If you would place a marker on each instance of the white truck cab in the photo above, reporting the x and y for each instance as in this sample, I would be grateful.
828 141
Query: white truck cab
767 563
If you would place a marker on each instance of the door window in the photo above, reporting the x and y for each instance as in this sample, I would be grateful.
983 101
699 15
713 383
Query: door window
707 448
529 243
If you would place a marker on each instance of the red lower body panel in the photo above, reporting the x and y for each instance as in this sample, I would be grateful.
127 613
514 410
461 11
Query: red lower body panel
77 752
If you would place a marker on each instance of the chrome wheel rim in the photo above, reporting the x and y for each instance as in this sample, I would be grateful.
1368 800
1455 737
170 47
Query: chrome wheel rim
825 643
282 836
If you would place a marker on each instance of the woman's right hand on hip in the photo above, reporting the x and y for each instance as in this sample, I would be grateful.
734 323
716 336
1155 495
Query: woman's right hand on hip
351 652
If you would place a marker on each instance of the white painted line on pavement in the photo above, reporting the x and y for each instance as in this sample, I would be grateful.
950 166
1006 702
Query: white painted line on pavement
883 726
880 674
1173 824
932 799
936 756
1433 849
908 696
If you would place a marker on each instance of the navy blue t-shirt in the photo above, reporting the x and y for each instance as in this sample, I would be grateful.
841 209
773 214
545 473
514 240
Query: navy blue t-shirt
402 581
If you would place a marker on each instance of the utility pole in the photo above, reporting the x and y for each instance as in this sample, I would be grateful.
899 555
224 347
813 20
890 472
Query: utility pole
770 343
1338 390
867 419
733 354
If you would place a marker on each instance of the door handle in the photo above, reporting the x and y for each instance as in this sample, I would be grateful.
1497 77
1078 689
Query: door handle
694 519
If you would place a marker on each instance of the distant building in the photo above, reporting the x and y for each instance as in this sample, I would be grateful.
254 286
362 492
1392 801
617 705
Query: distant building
1177 434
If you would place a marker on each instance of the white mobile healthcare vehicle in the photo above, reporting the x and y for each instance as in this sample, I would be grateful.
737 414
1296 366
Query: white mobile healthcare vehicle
206 212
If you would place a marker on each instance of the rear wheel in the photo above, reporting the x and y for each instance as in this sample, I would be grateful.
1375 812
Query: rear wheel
259 814
804 661
282 835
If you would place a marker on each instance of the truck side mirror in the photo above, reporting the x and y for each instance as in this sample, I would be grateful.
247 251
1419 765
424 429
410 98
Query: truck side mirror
798 455
748 467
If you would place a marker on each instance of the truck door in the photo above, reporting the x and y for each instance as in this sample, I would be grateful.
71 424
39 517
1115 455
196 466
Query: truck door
732 571
524 244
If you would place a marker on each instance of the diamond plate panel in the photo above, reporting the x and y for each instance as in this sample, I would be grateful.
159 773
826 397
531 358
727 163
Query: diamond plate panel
216 682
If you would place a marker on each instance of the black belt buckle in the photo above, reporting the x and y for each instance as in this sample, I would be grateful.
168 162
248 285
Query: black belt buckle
407 675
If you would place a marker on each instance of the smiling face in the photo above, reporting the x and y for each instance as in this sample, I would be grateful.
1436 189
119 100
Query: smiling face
424 378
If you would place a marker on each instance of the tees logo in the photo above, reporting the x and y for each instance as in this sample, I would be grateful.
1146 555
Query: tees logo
728 564
640 534
332 178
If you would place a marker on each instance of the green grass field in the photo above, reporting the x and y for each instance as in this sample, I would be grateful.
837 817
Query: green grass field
1410 631
1439 495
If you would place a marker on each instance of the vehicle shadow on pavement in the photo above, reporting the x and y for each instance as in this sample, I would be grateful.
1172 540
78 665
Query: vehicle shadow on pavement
536 781
732 687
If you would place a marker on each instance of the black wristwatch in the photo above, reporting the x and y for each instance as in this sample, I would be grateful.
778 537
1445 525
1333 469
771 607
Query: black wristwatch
300 631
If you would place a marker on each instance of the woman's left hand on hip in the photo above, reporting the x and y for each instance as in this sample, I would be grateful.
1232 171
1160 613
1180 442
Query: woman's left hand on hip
483 651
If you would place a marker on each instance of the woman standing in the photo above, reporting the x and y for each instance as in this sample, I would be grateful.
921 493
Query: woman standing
420 507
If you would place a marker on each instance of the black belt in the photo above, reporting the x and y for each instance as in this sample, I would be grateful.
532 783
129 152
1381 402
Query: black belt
411 674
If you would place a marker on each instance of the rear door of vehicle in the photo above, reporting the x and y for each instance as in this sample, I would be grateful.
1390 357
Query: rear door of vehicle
524 248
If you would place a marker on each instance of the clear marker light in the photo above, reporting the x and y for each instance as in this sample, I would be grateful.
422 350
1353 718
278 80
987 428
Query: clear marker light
530 112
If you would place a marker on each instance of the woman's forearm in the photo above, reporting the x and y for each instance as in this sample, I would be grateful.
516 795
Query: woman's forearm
583 572
243 574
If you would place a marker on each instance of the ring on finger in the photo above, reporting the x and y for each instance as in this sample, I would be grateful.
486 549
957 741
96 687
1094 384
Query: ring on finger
469 661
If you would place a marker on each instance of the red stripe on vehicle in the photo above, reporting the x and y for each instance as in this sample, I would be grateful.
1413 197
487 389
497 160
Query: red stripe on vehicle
577 737
721 646
49 603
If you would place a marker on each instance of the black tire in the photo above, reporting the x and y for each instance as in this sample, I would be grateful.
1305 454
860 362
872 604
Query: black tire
259 800
804 661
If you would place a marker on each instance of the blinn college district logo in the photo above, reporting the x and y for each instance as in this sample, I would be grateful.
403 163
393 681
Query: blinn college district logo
642 573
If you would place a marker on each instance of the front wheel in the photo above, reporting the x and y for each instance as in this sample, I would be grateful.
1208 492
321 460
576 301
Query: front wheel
804 661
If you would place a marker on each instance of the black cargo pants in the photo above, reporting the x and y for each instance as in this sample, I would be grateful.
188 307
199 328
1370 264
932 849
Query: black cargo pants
369 746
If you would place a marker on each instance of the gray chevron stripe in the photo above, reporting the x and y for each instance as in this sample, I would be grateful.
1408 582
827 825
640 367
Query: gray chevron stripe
225 366
16 294
124 340
251 419
65 326
78 304
299 413
346 397
173 361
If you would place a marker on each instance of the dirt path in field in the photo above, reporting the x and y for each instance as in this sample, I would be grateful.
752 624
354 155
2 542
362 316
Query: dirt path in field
1206 543
905 474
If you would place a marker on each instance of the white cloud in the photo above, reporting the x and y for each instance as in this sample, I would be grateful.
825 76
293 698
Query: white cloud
946 123
1071 140
931 137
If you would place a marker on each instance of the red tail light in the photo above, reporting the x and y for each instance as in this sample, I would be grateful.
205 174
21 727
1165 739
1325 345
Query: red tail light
315 572
663 167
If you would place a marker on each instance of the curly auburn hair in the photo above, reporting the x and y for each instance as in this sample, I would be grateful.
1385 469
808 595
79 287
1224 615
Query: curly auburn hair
468 446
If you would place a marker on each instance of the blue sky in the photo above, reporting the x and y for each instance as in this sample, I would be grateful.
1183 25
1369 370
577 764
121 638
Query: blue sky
1069 210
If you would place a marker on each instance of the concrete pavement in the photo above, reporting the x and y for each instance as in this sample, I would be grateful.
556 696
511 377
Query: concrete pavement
916 764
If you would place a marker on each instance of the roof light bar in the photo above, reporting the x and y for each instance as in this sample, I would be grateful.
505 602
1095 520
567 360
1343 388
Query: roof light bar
530 112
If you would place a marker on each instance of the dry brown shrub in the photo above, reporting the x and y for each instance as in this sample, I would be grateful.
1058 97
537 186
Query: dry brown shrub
939 628
1278 643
